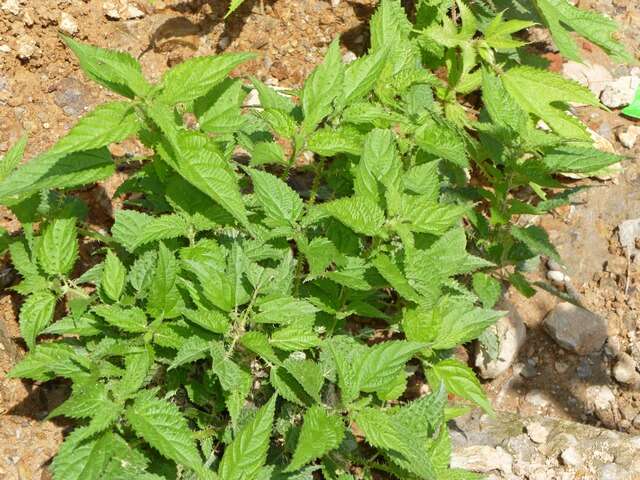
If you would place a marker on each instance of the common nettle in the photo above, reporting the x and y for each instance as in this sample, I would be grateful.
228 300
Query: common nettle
259 317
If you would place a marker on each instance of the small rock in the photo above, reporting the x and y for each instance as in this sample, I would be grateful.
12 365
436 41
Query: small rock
111 10
575 328
537 398
561 367
349 57
595 77
571 456
252 99
132 12
11 6
601 397
72 97
628 232
511 334
624 370
629 137
610 471
584 369
482 459
223 43
26 47
68 24
4 48
620 92
537 432
557 277
335 3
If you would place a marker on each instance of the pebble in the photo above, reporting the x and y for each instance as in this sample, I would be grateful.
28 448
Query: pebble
4 48
26 47
223 43
600 396
133 13
482 459
561 367
537 398
68 24
609 471
595 77
557 277
620 92
575 328
537 432
571 456
624 370
629 136
111 10
11 6
72 97
584 370
349 57
511 334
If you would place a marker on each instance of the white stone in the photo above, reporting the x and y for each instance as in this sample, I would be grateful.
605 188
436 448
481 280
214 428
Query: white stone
4 48
572 457
511 334
68 24
335 3
624 370
595 77
620 92
223 43
482 459
537 432
629 137
111 10
252 99
11 6
601 397
349 57
575 328
26 47
556 276
132 12
537 398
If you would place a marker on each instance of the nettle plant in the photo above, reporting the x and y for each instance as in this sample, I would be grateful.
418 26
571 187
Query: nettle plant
251 315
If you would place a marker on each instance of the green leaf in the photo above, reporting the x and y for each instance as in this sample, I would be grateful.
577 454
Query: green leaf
329 142
396 278
294 338
258 343
211 320
136 374
361 75
87 400
233 6
537 240
163 300
53 170
114 276
545 94
383 362
502 108
133 229
308 374
279 201
108 123
487 288
219 111
132 320
193 78
35 314
12 158
379 167
195 348
562 18
235 381
359 214
285 311
244 457
442 139
57 250
322 87
389 25
80 459
118 71
498 33
424 215
459 380
576 159
321 432
162 425
49 360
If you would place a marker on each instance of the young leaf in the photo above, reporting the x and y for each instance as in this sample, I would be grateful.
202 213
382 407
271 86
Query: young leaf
308 374
361 75
48 360
321 432
82 459
248 452
438 137
537 240
35 314
132 320
162 425
195 348
459 380
193 78
487 288
114 276
279 201
322 87
118 71
133 229
12 158
58 247
358 213
164 299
